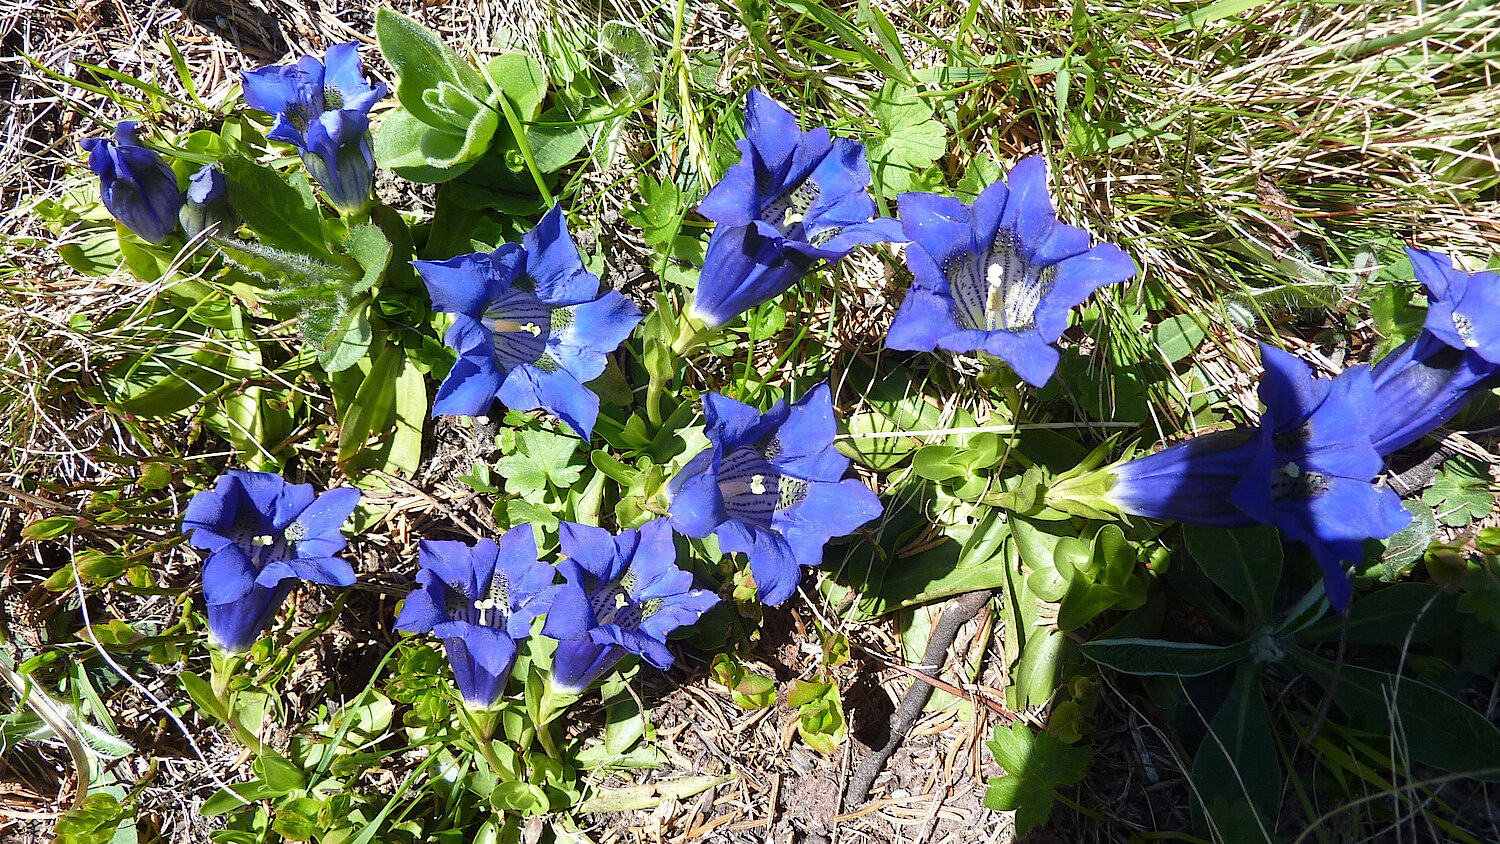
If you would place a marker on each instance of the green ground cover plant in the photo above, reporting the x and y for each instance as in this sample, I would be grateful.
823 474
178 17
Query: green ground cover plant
560 431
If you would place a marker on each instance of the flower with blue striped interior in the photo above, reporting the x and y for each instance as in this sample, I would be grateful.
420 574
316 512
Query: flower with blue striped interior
323 110
772 487
1000 276
263 535
793 198
480 600
137 186
530 326
624 594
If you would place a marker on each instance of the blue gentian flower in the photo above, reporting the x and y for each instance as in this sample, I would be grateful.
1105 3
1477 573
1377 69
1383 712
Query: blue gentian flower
1312 477
1188 482
530 326
207 202
791 192
998 277
137 186
1463 308
771 486
480 600
324 112
624 594
1427 380
263 534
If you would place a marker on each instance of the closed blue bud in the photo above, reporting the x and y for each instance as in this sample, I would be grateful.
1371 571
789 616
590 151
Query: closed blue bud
207 202
137 186
324 112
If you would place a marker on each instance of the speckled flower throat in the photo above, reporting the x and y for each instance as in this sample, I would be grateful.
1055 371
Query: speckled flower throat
997 289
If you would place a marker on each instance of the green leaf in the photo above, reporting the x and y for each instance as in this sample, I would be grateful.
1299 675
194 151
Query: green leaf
1244 563
540 458
402 144
349 340
202 695
1158 657
820 714
910 142
1177 337
1237 758
1035 764
282 211
1426 724
1460 493
422 62
50 528
368 245
1393 615
521 80
1400 551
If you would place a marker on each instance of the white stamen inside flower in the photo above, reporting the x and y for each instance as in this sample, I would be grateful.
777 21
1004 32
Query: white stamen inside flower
263 540
792 218
510 325
758 484
1291 470
484 606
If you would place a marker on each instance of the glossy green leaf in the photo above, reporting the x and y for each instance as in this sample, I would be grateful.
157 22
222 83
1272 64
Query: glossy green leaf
1237 760
1244 563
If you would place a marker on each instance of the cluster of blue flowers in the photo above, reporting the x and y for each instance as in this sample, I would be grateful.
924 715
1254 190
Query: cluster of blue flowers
532 328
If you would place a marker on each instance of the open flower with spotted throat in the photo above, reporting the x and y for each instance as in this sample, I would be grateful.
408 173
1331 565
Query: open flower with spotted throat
530 326
1312 477
480 600
263 535
1000 276
1428 379
772 487
323 110
624 594
793 198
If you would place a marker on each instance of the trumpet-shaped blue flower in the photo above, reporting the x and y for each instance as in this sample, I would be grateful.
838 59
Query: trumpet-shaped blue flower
624 594
136 185
530 326
207 202
1188 482
1463 308
771 486
324 112
1312 476
1427 380
794 197
480 600
998 277
263 534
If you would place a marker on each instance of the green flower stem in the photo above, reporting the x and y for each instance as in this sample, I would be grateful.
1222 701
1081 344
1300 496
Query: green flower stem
690 335
518 129
481 724
222 668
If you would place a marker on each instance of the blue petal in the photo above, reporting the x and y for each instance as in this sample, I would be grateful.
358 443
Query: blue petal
1190 482
234 626
491 649
939 226
467 284
826 511
841 177
516 549
731 424
1076 278
682 610
734 200
553 262
419 612
329 571
1339 429
772 130
697 507
1421 385
597 328
469 388
342 74
323 518
1433 269
777 571
744 267
560 392
834 246
922 321
1288 390
1026 352
337 154
571 615
227 575
989 208
479 687
594 548
652 650
282 89
576 664
803 444
290 501
655 562
1028 210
